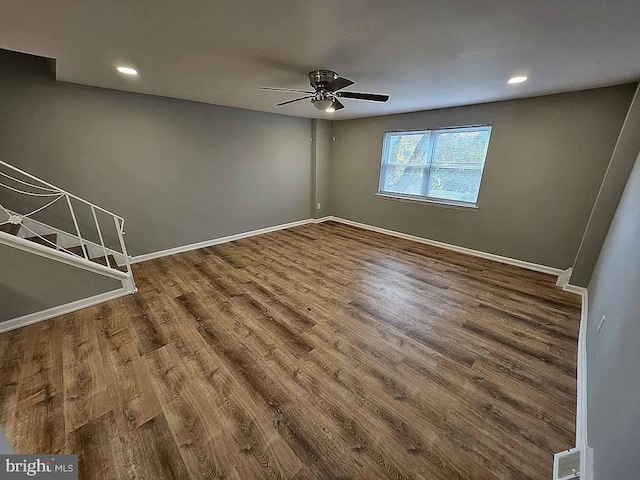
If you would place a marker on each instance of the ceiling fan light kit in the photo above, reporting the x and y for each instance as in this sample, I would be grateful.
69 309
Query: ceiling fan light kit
322 100
322 104
326 84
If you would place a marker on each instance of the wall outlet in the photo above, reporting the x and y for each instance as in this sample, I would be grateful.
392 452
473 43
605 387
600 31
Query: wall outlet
318 206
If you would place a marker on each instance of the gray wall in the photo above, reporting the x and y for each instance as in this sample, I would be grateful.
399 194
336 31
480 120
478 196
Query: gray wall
622 160
322 133
5 447
547 157
178 172
30 283
613 355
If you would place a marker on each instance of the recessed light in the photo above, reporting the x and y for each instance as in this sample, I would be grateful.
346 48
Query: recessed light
127 70
521 79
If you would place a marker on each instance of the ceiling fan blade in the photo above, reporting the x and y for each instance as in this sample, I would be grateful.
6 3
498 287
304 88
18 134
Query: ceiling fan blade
294 100
284 90
363 96
337 105
338 84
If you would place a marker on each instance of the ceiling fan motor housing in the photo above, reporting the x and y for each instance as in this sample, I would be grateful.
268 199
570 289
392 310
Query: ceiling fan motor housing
321 78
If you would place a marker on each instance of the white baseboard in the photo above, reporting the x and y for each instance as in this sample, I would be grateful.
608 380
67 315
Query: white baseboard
582 438
565 277
218 241
586 468
61 310
469 251
581 410
426 241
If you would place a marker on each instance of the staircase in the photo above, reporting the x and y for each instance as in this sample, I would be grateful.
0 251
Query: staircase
42 219
50 240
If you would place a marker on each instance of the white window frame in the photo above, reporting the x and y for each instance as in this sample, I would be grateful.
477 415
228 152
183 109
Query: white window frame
430 148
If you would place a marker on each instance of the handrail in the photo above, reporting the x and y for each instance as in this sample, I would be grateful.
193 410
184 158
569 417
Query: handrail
60 190
67 257
52 194
26 183
75 239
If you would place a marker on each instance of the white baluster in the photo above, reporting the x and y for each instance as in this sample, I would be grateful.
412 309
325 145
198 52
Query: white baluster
75 223
104 250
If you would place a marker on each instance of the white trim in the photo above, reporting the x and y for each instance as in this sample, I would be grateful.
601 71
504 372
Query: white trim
581 403
62 257
470 207
469 251
586 467
582 437
61 310
219 240
426 241
575 289
565 277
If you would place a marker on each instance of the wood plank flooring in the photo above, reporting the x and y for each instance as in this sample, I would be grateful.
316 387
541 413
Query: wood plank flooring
319 352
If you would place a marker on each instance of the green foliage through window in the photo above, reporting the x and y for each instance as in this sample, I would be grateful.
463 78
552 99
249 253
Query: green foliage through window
445 164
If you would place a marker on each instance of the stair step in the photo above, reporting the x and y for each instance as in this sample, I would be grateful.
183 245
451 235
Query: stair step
52 237
76 250
10 228
46 240
102 261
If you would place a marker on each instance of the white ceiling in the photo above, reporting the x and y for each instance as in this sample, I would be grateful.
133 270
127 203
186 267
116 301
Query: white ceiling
425 54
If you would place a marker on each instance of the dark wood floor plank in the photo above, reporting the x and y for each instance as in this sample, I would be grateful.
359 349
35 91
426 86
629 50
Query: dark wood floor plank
150 451
40 426
250 423
134 403
145 328
319 352
86 386
195 432
290 417
12 354
99 448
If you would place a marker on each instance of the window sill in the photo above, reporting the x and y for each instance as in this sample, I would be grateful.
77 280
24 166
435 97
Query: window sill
440 203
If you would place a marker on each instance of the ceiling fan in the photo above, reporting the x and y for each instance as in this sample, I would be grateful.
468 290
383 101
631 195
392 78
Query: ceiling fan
327 86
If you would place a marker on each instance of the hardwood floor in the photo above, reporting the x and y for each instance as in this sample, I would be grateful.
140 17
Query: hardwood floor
319 352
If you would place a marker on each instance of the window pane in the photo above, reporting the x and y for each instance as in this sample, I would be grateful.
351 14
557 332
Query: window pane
405 180
408 149
458 160
461 147
459 184
443 164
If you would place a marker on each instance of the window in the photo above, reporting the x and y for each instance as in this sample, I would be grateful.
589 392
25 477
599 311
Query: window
443 165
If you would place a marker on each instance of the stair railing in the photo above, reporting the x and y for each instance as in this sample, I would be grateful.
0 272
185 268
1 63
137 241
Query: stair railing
39 190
